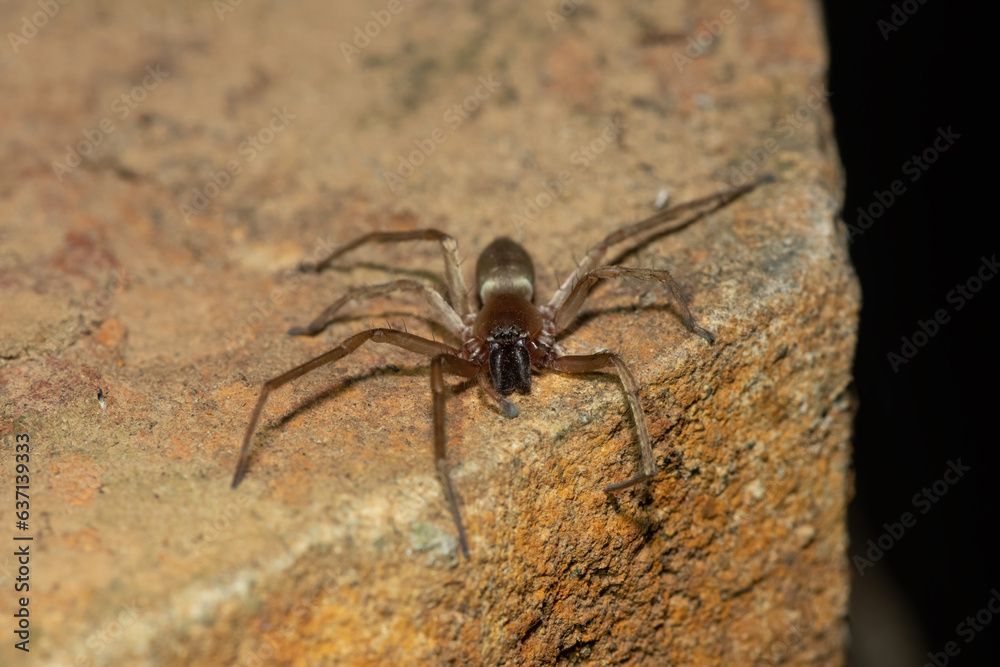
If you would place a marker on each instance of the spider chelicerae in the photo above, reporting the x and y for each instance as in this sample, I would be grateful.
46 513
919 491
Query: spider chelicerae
508 336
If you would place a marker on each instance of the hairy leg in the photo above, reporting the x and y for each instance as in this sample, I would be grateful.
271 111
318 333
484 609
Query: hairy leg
588 363
565 313
464 368
697 208
453 272
445 314
401 339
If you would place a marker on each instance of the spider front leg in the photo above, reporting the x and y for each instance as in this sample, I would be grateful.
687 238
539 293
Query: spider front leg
565 313
588 363
688 213
401 339
456 366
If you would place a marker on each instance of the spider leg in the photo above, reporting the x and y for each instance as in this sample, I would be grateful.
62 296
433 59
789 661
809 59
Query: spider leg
446 315
391 336
697 209
453 274
457 366
571 306
588 363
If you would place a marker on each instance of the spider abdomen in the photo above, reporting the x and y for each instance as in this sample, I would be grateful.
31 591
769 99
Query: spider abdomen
505 267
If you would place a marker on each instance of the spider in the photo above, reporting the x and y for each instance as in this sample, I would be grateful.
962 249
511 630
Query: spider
508 336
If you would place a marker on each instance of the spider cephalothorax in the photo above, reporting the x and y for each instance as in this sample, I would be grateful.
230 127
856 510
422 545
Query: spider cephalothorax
508 336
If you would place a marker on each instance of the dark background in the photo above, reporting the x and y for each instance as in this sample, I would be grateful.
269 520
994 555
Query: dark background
893 90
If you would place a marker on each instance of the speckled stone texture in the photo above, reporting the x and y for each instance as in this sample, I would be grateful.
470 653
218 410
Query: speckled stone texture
166 169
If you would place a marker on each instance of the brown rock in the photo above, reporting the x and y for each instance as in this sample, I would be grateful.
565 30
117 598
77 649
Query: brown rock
227 147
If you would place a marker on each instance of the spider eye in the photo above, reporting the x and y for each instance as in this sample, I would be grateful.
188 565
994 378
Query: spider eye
510 366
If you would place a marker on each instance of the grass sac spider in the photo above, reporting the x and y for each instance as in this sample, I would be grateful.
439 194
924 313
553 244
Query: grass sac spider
508 336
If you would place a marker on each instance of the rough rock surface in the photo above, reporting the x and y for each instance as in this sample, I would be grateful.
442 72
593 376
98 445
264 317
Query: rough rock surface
338 548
